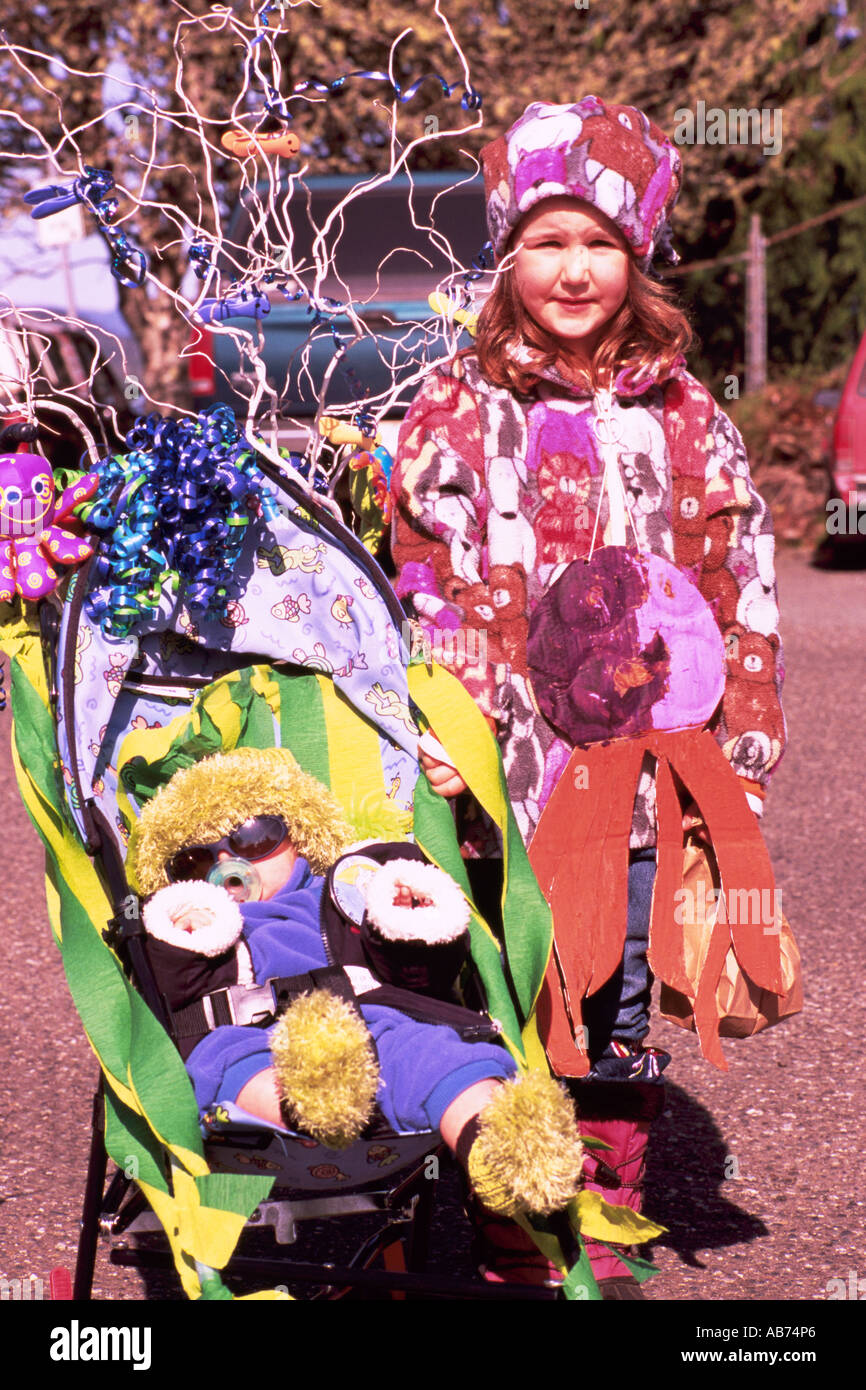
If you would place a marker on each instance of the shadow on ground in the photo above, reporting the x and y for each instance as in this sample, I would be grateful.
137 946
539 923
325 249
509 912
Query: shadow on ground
689 1161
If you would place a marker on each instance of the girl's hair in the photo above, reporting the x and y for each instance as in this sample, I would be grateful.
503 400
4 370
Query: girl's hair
648 331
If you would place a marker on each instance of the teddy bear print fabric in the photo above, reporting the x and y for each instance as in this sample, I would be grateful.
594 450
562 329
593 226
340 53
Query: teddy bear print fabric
496 495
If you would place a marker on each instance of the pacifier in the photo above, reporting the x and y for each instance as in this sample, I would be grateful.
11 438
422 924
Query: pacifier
239 878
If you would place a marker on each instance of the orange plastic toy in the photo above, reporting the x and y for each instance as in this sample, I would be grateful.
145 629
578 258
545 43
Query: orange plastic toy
241 144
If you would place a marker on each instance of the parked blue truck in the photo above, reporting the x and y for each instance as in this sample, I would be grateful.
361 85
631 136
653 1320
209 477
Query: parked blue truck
389 267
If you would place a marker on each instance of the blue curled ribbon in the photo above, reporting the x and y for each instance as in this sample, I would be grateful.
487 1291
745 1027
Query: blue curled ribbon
240 304
304 467
128 264
263 19
470 101
53 198
365 421
275 105
320 319
483 261
200 254
175 508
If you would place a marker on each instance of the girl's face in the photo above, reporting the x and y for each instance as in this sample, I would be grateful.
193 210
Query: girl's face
571 272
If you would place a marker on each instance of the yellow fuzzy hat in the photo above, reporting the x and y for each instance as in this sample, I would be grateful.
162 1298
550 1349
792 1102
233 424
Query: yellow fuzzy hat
206 801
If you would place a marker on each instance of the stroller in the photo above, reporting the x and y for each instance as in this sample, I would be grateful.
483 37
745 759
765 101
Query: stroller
303 646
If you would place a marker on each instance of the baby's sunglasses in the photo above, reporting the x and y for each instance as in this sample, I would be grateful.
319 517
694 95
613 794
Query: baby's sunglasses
255 839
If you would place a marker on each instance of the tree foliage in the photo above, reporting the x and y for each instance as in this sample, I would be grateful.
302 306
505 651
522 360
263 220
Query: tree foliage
777 55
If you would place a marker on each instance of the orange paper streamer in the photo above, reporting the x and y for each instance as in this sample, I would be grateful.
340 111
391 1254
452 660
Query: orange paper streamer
580 856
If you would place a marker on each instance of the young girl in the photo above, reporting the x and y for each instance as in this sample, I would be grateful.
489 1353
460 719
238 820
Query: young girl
569 491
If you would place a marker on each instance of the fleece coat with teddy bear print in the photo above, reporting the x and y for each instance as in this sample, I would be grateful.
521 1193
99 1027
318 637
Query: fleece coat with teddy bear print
495 494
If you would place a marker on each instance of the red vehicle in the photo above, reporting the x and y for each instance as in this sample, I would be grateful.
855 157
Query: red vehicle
846 505
849 435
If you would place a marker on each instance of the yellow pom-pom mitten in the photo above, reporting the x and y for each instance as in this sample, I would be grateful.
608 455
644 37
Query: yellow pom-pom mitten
527 1155
326 1065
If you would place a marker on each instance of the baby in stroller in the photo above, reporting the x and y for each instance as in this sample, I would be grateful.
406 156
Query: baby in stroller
251 825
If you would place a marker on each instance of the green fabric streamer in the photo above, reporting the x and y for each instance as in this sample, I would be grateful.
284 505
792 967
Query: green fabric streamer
641 1269
579 1285
434 833
160 1079
213 1289
97 984
259 729
302 725
527 923
142 779
239 1192
526 918
35 741
120 1026
132 1145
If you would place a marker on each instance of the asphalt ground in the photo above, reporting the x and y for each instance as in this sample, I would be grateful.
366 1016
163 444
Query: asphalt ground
757 1173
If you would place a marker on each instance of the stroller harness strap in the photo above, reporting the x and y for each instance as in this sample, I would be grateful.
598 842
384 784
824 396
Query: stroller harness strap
256 1006
259 1006
347 973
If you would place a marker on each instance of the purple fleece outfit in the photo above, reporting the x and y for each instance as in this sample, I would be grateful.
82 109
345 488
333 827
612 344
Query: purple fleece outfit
423 1066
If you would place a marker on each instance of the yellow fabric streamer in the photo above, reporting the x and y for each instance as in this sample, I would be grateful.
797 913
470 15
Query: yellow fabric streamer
358 776
598 1220
468 740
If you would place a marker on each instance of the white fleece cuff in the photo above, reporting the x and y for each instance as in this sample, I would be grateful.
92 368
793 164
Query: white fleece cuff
446 917
217 916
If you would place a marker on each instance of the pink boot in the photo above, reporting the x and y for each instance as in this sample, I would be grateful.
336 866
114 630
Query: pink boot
620 1114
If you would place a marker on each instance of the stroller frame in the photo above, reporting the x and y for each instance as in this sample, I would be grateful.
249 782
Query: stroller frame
115 1209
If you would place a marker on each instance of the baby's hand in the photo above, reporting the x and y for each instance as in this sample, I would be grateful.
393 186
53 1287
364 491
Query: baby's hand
443 777
196 916
404 896
190 919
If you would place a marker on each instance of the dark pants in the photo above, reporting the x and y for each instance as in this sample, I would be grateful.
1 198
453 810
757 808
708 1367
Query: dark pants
620 1009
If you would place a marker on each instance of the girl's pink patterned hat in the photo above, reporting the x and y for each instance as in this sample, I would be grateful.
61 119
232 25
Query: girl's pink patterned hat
613 157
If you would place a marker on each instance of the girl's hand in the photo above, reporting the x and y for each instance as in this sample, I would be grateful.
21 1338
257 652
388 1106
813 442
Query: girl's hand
443 778
695 825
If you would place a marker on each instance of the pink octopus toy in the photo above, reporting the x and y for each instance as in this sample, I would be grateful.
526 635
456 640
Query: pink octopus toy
32 536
